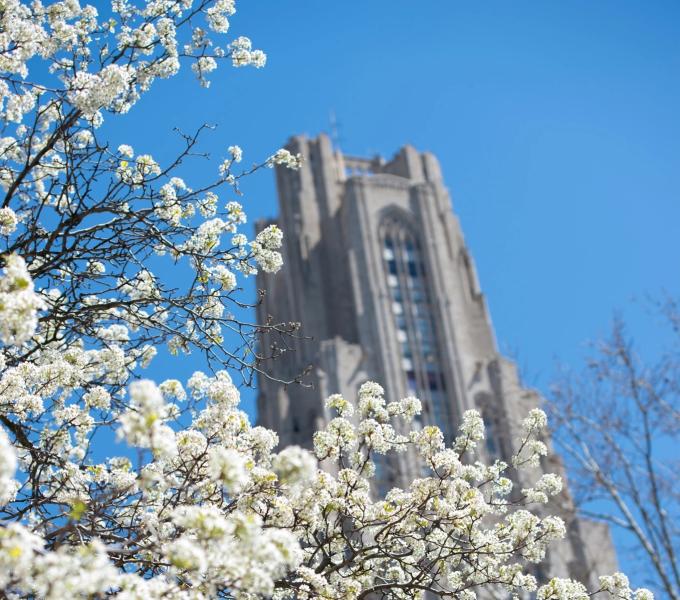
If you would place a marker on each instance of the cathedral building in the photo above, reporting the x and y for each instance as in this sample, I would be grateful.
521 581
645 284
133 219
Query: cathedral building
377 271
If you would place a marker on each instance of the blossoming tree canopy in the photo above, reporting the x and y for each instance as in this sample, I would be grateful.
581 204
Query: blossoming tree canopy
203 505
89 219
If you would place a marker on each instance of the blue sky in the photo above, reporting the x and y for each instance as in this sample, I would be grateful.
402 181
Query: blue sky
556 124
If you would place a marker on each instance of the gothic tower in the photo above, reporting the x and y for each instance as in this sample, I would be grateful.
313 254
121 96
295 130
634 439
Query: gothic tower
377 271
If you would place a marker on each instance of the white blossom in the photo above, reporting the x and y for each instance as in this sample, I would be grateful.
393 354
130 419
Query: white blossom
8 221
562 589
228 467
236 153
19 304
8 464
126 151
143 423
285 158
294 465
265 249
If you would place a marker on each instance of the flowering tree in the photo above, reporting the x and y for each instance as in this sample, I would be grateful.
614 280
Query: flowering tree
619 423
200 506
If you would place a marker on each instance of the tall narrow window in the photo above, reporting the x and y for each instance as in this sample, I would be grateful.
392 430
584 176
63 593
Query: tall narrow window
416 327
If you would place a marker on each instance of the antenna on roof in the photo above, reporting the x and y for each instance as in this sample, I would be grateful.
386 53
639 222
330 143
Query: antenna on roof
335 130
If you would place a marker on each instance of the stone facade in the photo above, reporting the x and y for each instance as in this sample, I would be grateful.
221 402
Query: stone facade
377 270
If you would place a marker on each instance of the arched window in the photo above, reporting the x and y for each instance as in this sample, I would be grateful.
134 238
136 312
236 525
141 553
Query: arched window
412 310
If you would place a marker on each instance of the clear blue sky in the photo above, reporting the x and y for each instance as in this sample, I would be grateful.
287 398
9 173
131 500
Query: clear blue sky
556 124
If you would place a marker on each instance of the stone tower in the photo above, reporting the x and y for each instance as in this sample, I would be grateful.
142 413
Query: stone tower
377 270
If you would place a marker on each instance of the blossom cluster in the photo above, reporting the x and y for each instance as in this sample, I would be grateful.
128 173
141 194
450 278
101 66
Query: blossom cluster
19 304
106 64
286 158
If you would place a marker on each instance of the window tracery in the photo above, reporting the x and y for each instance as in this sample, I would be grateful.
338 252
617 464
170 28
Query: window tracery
413 313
